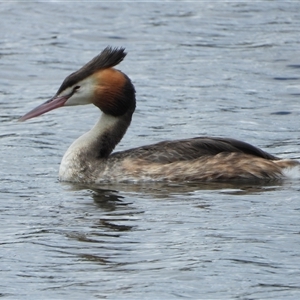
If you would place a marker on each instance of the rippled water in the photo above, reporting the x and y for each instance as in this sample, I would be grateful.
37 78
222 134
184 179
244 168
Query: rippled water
200 68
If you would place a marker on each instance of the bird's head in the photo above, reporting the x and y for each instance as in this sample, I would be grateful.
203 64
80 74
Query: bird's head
96 83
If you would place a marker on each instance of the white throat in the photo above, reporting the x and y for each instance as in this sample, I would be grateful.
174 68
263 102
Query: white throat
78 155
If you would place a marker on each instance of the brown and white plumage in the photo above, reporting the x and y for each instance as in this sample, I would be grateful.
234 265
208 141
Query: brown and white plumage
90 159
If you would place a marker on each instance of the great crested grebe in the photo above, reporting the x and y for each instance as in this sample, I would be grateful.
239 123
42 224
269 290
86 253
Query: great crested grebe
89 158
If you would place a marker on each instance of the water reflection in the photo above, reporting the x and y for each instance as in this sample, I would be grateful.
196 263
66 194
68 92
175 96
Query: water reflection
121 209
108 196
110 218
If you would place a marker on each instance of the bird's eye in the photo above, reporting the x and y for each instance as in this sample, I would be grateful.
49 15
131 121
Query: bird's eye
77 87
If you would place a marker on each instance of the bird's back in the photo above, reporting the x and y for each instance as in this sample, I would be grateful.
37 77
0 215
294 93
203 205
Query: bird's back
190 149
196 159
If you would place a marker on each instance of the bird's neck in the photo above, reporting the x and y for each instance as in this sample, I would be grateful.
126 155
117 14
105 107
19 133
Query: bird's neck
95 145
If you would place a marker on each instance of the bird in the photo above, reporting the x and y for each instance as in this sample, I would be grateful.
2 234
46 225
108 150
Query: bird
90 158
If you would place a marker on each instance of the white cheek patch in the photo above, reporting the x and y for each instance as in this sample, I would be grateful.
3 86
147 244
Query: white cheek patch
78 98
83 95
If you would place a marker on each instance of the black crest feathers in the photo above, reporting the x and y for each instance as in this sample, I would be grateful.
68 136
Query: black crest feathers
108 58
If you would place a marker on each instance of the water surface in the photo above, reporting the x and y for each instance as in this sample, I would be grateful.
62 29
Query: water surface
219 69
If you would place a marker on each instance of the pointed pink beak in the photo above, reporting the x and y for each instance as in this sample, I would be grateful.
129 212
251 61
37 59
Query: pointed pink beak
53 103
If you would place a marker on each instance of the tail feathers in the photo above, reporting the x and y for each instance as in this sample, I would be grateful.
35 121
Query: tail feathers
290 168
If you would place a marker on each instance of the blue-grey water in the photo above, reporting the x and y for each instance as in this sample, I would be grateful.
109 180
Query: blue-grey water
212 68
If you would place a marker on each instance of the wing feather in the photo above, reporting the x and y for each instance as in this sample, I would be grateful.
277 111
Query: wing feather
189 149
